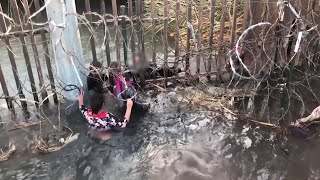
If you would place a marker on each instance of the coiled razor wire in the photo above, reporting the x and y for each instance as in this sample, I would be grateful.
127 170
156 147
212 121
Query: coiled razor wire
238 53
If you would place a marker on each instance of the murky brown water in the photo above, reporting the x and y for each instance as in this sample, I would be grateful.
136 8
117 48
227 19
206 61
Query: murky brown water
166 143
171 143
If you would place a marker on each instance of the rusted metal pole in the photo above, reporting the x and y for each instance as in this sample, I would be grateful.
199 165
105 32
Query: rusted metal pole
199 39
165 32
124 34
17 19
246 15
92 40
140 25
5 90
189 20
212 14
234 21
46 52
177 32
222 22
130 8
132 34
141 7
117 44
43 91
106 40
153 30
221 35
12 60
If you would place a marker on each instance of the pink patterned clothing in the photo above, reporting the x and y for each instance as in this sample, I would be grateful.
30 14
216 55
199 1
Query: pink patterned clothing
102 121
121 84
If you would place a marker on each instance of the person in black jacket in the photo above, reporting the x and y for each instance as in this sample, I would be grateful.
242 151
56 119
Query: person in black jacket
96 79
151 71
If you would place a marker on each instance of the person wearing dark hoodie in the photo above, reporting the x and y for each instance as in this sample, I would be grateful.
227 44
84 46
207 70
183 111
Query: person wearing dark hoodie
143 69
96 78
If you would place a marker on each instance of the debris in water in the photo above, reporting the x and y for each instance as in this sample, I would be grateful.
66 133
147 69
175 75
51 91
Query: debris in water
263 174
230 116
272 136
285 150
170 94
221 136
245 129
193 127
204 122
247 142
86 171
250 105
4 156
43 147
299 132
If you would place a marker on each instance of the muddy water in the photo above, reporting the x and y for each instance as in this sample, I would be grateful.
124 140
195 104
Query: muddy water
166 143
170 142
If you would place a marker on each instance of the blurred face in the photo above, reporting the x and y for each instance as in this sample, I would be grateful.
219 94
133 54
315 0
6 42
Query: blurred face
137 60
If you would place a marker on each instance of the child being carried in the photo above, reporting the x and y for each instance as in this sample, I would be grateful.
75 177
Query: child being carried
123 87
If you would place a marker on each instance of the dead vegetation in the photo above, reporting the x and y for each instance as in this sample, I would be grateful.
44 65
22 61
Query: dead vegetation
6 154
223 103
206 23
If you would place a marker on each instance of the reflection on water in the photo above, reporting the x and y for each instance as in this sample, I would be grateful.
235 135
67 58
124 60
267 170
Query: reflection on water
183 144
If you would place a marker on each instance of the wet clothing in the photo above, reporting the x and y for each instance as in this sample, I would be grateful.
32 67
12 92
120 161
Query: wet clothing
139 77
168 71
121 85
102 121
123 90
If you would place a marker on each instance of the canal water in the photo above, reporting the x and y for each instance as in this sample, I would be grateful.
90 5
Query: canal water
171 141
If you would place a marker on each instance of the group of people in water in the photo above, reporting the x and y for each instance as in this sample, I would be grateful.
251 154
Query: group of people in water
124 85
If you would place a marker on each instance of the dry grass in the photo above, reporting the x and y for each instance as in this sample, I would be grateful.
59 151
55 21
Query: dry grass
195 18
